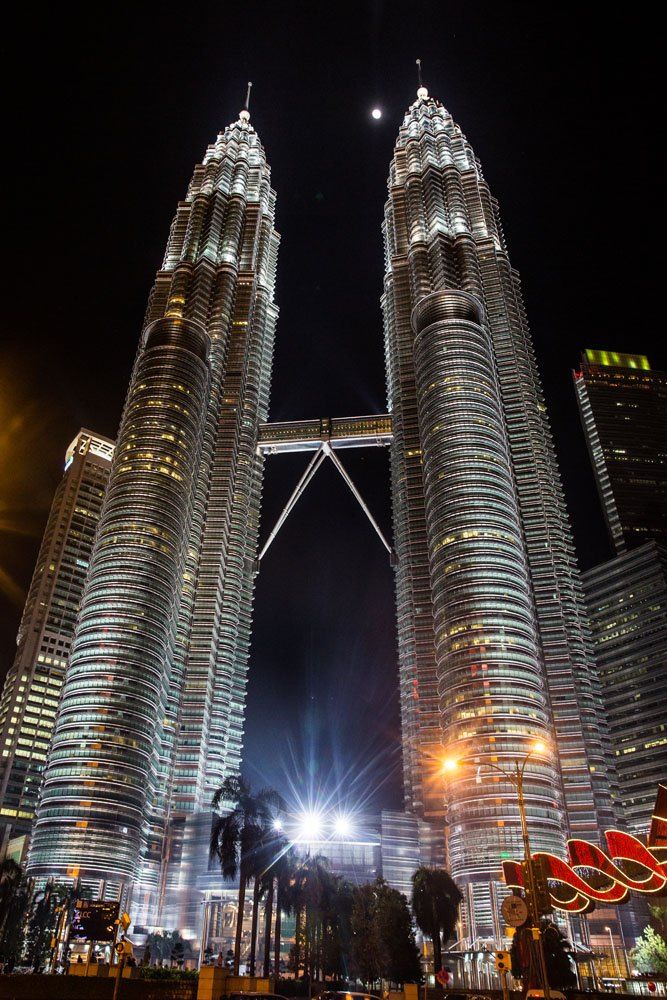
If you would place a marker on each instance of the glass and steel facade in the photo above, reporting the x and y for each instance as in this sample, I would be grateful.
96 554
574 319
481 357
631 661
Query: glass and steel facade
485 560
151 720
33 684
627 607
623 409
102 774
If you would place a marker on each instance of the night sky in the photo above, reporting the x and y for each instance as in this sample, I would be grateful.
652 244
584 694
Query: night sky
109 112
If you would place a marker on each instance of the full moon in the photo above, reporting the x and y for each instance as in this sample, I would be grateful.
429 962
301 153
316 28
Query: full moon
376 113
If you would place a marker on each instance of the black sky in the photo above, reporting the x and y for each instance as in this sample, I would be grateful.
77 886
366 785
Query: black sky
108 112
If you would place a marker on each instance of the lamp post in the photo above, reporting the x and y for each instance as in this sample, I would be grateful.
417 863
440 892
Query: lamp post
613 951
516 778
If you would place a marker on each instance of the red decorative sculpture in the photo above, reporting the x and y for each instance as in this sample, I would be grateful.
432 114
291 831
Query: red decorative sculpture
591 876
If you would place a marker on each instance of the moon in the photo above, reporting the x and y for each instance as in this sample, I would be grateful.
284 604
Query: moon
376 113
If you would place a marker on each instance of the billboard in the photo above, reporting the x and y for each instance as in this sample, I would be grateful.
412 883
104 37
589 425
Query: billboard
94 920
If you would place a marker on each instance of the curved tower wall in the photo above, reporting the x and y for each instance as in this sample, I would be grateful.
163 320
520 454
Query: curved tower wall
442 232
491 686
103 766
219 273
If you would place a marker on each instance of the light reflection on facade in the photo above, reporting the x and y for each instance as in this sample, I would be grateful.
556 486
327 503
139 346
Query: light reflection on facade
485 560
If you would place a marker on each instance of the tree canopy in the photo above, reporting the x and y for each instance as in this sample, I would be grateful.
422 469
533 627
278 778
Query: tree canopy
650 953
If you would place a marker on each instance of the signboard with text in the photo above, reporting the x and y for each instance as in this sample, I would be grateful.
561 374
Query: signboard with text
94 920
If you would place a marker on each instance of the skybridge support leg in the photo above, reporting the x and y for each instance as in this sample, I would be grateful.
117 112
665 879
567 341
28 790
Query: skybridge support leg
357 495
312 468
324 451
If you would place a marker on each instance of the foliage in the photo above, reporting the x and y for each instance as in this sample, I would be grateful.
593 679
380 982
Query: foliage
242 835
650 953
556 954
15 898
435 904
367 953
402 963
383 942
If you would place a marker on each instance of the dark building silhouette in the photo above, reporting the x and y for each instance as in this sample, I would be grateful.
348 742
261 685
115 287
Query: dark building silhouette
623 408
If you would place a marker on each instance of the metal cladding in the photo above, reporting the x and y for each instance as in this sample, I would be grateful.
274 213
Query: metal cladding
102 771
443 234
491 686
172 686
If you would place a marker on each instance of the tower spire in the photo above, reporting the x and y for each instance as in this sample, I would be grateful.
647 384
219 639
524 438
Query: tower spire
422 92
244 114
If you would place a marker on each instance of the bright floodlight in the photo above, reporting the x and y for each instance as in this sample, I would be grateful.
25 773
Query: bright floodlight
450 764
539 746
376 113
277 825
310 826
342 826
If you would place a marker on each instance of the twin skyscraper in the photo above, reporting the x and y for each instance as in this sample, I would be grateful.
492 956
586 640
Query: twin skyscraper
493 647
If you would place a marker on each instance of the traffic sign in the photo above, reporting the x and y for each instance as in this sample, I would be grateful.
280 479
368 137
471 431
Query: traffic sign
514 910
503 961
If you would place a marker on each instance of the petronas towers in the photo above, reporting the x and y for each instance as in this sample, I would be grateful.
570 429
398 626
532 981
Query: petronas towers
492 643
151 717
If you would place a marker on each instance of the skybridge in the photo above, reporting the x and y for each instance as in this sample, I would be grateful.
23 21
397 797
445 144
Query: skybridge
338 432
324 437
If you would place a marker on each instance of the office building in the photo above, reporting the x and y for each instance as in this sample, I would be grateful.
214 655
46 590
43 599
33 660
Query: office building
151 717
33 684
493 645
623 408
627 606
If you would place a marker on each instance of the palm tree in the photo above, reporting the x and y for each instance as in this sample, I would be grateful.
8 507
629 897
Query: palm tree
284 868
238 838
435 904
278 851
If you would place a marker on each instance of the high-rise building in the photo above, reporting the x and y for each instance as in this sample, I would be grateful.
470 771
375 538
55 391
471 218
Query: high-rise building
151 717
627 606
623 408
485 559
32 687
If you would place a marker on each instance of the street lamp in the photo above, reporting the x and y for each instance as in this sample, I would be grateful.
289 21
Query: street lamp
515 777
613 951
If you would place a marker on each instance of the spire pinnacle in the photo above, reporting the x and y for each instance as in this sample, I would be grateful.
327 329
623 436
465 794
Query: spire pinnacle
244 115
422 92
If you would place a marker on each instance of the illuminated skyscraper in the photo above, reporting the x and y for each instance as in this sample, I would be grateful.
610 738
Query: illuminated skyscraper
151 719
485 559
623 408
32 686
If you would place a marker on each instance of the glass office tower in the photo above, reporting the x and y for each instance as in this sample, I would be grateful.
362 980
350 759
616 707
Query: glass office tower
623 409
33 684
627 606
485 558
151 719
